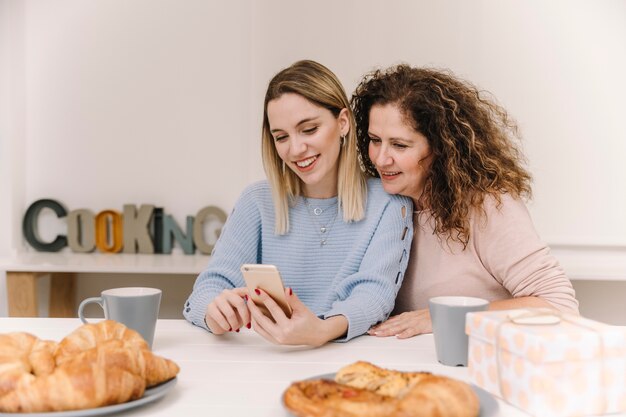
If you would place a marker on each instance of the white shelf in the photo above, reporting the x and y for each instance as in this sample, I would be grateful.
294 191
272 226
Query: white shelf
106 263
580 263
592 263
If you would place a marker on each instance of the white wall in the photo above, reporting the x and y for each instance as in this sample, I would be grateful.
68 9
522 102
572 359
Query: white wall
557 66
12 131
137 101
106 102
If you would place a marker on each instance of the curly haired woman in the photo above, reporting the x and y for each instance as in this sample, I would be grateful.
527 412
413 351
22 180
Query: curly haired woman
438 140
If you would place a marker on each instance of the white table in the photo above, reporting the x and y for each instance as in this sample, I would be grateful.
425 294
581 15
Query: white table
241 374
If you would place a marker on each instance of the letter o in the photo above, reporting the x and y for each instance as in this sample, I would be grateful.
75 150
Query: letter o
81 231
109 229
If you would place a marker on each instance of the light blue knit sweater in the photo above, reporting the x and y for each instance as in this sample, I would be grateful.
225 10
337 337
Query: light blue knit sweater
357 273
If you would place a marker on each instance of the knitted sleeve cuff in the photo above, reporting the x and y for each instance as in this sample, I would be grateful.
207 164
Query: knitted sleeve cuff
195 310
358 322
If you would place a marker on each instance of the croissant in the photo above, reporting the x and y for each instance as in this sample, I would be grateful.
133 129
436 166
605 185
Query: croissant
96 365
157 369
111 334
42 357
22 356
97 377
152 368
365 390
90 335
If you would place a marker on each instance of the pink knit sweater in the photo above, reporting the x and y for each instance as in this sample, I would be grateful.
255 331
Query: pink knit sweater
504 258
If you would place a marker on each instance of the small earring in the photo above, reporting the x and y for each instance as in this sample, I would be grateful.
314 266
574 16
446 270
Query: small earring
342 140
283 167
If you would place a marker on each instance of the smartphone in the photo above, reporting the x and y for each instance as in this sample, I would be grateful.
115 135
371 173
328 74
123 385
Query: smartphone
267 278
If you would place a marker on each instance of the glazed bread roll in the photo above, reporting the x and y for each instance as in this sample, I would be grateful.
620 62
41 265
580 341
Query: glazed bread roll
365 390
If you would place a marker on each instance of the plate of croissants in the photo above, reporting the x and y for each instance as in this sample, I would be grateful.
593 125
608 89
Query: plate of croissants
97 369
362 389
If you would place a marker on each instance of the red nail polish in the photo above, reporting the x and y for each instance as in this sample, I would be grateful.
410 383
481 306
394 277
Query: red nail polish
230 329
290 291
249 325
257 291
245 297
237 330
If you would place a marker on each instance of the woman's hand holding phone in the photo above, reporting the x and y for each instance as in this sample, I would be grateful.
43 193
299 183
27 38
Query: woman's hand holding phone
228 311
302 328
275 311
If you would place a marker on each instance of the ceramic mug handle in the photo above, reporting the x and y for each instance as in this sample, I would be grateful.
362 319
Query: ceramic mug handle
86 301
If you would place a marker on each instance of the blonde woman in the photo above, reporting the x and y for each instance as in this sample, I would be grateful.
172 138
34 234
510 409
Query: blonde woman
340 242
438 140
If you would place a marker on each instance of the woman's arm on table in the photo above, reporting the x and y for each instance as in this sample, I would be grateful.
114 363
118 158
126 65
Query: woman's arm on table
512 252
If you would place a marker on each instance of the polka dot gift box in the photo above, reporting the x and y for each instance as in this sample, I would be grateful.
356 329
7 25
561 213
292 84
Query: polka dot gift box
548 363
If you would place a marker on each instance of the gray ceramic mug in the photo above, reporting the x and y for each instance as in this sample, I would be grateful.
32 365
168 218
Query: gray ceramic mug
448 318
135 307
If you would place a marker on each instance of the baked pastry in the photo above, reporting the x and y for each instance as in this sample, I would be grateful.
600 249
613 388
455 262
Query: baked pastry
114 353
89 336
381 381
22 357
96 365
365 390
152 368
42 357
327 398
94 378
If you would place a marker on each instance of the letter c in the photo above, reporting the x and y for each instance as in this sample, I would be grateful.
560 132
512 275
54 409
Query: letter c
29 226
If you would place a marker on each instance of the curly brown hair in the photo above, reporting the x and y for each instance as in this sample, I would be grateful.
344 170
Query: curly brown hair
472 140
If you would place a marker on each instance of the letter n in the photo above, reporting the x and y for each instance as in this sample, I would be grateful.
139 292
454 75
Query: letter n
171 229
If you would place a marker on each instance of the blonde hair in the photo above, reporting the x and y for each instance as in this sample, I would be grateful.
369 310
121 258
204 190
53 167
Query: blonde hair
321 87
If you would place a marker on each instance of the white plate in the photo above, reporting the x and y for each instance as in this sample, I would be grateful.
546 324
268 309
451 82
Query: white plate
488 403
150 395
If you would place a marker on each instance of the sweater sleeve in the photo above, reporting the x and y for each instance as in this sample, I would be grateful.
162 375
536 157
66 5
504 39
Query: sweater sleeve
511 250
239 243
368 296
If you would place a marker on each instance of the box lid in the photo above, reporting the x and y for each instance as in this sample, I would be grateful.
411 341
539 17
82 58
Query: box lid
552 337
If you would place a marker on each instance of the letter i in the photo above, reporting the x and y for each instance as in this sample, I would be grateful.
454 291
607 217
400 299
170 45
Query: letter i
157 230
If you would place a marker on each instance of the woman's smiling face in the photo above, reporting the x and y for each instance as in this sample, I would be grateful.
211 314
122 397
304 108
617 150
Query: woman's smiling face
401 154
307 139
